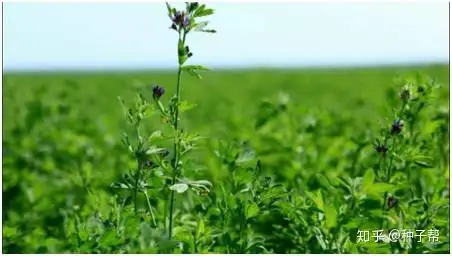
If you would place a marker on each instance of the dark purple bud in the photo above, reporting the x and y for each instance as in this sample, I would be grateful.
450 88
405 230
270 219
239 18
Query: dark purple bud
421 89
405 94
157 91
173 26
397 127
189 54
391 202
381 149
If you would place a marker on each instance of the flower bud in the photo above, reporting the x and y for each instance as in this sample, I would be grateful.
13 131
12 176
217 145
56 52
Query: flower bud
405 94
157 91
397 127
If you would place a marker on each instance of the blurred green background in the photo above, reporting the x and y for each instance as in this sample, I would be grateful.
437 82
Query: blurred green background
222 94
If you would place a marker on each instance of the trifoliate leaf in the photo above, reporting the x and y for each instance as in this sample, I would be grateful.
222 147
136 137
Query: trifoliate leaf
179 188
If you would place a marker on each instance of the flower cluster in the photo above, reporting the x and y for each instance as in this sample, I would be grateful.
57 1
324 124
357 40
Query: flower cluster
180 20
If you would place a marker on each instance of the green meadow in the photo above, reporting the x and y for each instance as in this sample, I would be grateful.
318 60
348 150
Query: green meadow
289 156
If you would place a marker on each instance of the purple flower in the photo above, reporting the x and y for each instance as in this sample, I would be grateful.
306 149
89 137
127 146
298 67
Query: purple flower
397 127
181 19
157 91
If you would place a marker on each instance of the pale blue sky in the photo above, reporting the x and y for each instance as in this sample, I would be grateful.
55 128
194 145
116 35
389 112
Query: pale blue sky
136 35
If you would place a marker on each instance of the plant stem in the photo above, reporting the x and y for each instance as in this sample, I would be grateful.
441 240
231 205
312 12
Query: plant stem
137 174
176 148
135 189
384 210
150 209
388 168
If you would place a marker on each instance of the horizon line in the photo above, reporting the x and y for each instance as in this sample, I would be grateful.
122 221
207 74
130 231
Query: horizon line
223 67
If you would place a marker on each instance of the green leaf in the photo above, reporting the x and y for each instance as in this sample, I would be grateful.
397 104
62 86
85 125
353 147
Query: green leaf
83 235
202 182
209 31
171 11
125 139
201 25
199 187
369 204
246 157
109 239
200 9
378 188
154 150
154 135
423 164
416 201
119 185
194 73
273 193
352 224
146 231
192 6
320 238
313 209
430 127
399 177
318 199
368 179
330 216
9 231
420 160
184 106
179 188
194 70
203 11
165 245
201 228
251 211
244 177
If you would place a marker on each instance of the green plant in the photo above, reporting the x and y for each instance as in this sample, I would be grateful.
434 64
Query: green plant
183 22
